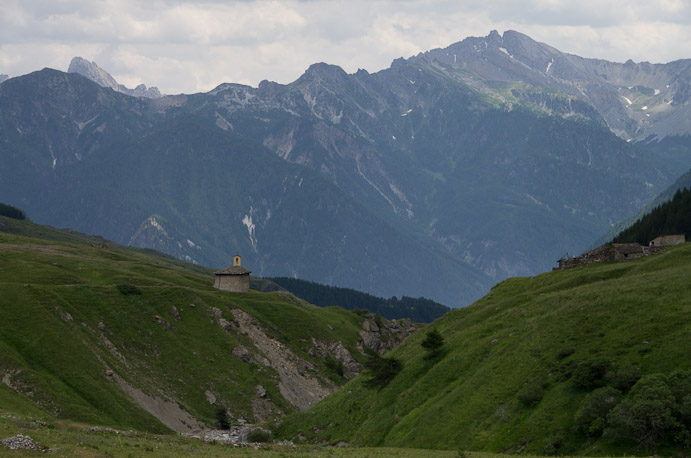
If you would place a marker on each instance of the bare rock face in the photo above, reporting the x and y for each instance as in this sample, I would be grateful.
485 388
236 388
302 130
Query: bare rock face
93 72
296 384
385 335
340 352
104 79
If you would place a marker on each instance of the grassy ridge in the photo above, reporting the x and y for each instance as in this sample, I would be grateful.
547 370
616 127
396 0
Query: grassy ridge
71 312
506 379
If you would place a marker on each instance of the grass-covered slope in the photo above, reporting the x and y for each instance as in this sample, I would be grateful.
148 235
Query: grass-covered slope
128 339
518 365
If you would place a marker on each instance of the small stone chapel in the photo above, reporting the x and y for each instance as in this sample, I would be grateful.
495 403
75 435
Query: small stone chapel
235 279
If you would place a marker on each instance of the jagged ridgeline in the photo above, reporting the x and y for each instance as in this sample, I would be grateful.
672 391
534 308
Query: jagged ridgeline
592 360
420 310
109 335
672 217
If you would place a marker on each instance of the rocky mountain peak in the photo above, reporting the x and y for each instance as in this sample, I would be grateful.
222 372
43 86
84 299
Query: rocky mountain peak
3 77
92 71
323 71
104 79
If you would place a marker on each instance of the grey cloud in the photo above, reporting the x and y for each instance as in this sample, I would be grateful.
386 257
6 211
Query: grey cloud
187 46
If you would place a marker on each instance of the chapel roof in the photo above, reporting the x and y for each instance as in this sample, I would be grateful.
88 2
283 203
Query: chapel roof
233 270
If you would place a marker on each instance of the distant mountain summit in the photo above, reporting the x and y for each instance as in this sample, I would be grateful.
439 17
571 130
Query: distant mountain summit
635 100
3 77
104 79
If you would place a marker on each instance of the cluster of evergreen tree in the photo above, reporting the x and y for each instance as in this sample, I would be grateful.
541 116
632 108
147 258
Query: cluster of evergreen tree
11 212
420 309
672 217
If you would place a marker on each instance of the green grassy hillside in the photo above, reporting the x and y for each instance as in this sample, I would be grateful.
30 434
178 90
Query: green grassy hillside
530 368
130 339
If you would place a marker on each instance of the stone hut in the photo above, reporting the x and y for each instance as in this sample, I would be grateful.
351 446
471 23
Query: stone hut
235 279
668 240
627 251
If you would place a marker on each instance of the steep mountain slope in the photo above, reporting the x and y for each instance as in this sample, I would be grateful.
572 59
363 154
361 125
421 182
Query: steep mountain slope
119 337
183 186
520 369
669 150
436 177
433 156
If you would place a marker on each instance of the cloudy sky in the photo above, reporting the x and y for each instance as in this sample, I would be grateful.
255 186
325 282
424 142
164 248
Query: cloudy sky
191 46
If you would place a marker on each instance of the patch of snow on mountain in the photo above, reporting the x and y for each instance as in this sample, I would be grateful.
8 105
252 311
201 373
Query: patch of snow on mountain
153 222
657 91
627 100
247 221
549 65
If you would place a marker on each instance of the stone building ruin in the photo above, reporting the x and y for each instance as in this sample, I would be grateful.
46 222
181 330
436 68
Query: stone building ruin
606 253
668 240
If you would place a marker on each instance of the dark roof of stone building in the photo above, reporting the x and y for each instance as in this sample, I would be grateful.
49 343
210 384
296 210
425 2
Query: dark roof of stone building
233 270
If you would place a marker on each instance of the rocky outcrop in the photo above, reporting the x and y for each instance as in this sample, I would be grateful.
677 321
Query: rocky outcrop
337 350
104 79
19 442
382 335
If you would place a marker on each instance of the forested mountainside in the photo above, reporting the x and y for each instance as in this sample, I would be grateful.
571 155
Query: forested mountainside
420 309
672 217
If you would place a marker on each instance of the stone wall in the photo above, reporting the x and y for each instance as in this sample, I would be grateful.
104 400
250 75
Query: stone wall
233 283
668 240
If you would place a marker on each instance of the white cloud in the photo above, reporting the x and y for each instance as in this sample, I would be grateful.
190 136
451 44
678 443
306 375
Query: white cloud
188 46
